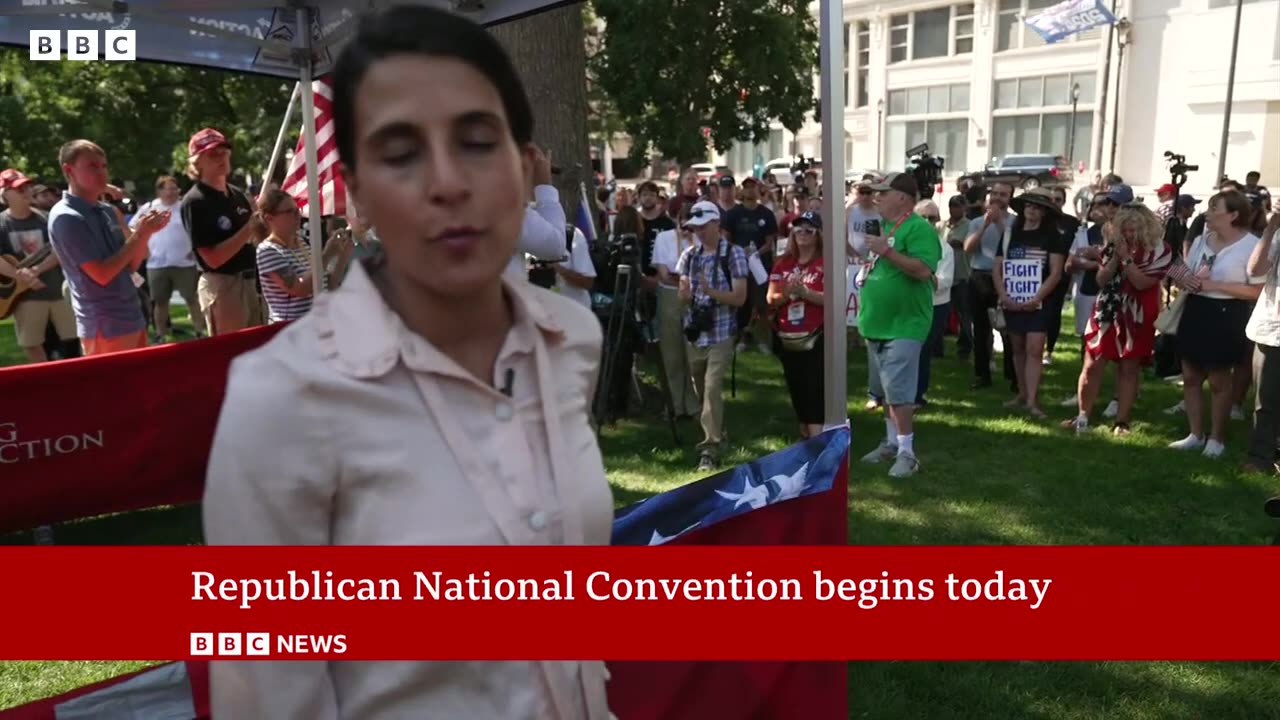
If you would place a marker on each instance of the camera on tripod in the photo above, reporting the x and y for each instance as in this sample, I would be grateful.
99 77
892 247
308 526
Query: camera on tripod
926 168
1178 168
625 250
799 168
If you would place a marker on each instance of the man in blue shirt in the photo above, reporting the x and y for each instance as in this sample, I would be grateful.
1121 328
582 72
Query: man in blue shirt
99 255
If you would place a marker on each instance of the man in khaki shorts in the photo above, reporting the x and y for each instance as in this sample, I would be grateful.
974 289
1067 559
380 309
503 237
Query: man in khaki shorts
216 215
24 236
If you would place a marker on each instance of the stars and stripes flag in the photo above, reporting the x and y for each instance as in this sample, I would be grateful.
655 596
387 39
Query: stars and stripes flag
797 496
333 191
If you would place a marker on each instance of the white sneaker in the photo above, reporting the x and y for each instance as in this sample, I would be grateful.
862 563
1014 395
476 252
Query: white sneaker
1082 426
884 451
1190 442
1047 359
1181 407
1237 412
905 465
1113 409
1073 401
1214 449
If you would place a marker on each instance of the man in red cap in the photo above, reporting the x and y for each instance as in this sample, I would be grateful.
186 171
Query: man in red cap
1166 194
24 235
217 215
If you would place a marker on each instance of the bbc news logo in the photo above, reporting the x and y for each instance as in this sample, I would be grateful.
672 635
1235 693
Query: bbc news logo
260 644
83 44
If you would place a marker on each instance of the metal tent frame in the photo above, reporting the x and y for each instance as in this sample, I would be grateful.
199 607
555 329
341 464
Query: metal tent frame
261 37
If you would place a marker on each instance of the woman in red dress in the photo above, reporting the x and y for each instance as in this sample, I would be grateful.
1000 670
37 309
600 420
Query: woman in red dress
1122 329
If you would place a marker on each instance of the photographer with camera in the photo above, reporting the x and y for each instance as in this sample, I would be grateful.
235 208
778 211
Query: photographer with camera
713 281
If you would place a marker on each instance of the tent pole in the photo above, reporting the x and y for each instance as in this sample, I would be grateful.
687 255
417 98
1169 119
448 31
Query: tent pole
315 233
836 293
284 129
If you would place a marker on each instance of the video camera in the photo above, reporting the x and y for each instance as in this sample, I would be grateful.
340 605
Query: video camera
1178 168
926 168
799 168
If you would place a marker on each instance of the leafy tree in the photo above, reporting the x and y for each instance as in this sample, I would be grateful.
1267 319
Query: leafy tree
674 67
141 113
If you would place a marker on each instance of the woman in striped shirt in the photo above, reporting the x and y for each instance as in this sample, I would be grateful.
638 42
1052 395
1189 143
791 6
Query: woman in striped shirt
284 258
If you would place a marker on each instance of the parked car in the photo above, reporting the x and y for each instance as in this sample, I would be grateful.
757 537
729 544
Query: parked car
707 171
1026 171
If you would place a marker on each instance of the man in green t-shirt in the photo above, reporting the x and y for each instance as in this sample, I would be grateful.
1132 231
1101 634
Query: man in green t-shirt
896 313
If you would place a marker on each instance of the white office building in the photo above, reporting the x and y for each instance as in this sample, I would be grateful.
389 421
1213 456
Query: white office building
974 81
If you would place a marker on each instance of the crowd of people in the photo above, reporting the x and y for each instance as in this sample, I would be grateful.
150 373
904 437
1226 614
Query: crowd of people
1160 287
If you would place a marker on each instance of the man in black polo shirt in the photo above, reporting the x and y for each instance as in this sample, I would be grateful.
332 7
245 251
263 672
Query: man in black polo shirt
216 216
754 228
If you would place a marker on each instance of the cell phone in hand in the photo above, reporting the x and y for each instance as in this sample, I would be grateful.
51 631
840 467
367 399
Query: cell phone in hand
872 227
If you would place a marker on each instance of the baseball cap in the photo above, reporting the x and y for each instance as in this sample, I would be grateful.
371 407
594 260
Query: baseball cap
12 179
205 140
702 213
809 218
1120 194
1166 188
902 182
749 180
1187 201
725 181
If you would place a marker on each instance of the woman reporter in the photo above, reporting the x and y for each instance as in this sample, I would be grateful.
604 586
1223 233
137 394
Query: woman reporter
1122 326
795 295
429 400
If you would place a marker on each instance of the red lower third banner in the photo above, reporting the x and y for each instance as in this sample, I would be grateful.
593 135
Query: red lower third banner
621 603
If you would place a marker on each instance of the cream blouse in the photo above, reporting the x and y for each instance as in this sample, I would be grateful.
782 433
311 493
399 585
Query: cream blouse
348 429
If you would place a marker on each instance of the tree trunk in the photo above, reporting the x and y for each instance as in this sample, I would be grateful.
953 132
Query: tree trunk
549 54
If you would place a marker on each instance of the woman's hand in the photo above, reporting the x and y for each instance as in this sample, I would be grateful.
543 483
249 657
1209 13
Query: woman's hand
1122 250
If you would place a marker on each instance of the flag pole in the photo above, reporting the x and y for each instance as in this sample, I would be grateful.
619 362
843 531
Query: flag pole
280 137
315 226
836 294
1231 88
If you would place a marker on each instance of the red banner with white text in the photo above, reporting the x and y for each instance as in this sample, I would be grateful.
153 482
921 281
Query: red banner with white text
652 603
112 433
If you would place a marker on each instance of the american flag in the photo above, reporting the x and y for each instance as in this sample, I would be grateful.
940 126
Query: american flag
796 496
333 191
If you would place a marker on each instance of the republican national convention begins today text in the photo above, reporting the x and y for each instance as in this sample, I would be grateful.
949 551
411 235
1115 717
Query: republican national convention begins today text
602 586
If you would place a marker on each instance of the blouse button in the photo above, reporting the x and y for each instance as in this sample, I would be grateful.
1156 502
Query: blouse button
504 411
538 521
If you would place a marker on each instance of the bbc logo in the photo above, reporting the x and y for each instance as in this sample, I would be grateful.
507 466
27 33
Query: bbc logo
83 44
230 644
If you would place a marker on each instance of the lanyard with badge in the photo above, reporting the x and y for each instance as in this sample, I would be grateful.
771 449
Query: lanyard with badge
796 308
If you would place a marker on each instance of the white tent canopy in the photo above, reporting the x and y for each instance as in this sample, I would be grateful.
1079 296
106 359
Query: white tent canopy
260 36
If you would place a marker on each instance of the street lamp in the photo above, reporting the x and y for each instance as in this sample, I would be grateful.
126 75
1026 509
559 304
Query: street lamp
1123 26
1071 138
879 134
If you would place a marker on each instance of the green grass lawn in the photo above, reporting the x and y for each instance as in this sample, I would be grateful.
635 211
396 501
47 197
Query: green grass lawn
988 476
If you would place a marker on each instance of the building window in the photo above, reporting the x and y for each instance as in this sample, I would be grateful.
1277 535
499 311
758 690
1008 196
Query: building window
929 100
863 30
1033 115
930 30
1042 133
938 32
962 30
1046 91
948 138
937 114
1012 32
899 29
